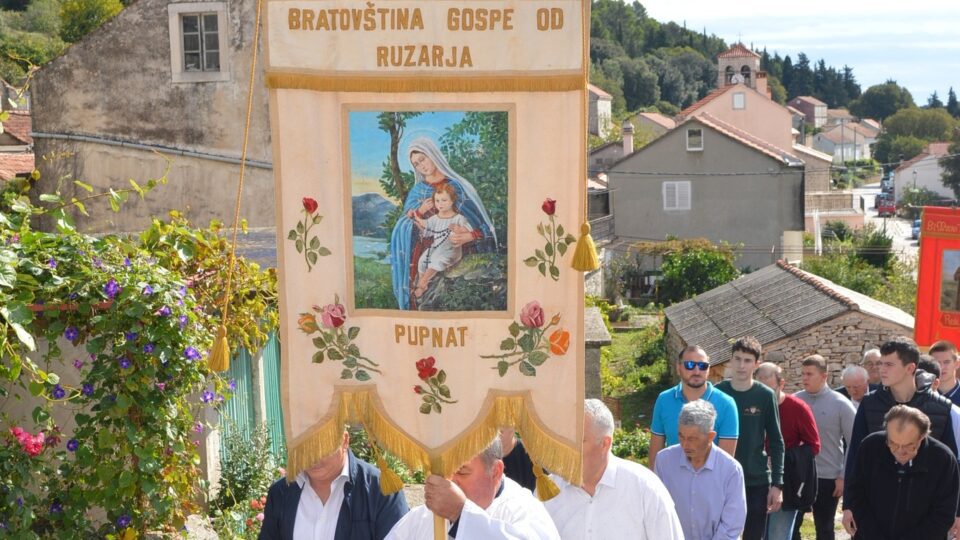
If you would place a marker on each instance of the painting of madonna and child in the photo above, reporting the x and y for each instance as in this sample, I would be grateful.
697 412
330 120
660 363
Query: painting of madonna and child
429 199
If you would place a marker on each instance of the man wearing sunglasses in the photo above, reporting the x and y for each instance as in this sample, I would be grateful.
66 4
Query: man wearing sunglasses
905 483
693 366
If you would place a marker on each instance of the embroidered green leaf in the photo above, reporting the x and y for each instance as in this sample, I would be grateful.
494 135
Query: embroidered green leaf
425 408
527 369
334 354
526 343
353 332
537 357
362 375
323 252
548 248
530 261
292 235
559 231
514 329
346 374
318 357
502 367
508 344
442 376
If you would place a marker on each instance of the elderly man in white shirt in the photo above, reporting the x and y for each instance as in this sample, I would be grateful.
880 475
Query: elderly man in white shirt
618 498
480 503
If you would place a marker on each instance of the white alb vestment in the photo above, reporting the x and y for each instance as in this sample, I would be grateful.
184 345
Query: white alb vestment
629 502
514 515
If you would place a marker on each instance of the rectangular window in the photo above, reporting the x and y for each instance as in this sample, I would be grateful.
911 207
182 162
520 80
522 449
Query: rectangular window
676 195
694 139
739 100
201 42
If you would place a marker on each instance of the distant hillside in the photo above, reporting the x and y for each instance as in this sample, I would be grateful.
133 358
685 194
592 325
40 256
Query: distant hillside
369 212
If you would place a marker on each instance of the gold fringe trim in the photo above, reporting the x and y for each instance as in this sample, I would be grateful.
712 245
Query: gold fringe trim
421 83
585 256
362 406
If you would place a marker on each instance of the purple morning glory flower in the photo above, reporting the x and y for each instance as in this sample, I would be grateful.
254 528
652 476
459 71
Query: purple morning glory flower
123 521
219 397
87 389
164 311
59 392
124 363
206 396
183 290
126 262
148 290
19 501
72 445
111 288
56 508
97 263
148 348
73 296
198 427
232 384
71 333
78 363
183 321
130 336
191 354
52 263
161 386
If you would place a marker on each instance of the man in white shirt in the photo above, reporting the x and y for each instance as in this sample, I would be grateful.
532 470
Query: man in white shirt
618 498
480 503
337 498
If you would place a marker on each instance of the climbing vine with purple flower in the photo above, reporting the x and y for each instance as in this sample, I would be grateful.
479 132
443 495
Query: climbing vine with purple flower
306 243
334 340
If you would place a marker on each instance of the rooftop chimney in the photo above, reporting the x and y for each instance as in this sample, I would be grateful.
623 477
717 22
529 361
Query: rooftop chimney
627 130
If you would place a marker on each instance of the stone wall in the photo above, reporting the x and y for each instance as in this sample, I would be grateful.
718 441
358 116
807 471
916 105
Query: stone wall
841 341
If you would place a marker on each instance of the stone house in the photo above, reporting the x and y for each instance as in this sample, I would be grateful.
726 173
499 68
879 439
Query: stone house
709 179
792 313
163 80
814 110
600 111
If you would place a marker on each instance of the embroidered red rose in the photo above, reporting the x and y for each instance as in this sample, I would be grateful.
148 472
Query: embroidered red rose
425 368
310 205
549 206
333 315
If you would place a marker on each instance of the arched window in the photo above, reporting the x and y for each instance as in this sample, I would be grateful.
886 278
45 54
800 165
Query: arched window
745 71
728 74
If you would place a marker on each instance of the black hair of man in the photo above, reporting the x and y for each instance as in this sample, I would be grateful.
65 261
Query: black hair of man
904 347
749 345
928 364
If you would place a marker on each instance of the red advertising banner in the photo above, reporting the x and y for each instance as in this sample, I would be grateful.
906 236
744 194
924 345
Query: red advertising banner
938 286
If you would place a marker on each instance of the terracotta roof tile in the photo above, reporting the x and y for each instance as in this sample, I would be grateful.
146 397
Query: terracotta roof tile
706 99
808 99
598 91
935 149
738 51
18 126
14 163
749 140
660 119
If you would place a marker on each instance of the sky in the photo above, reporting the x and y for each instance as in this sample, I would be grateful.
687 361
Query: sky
915 43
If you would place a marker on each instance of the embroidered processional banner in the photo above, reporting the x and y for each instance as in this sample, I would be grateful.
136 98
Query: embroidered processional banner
430 162
938 283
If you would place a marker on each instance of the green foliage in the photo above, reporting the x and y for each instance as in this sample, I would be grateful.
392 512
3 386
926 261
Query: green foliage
873 246
688 273
951 169
20 51
477 282
142 323
881 101
894 285
246 470
891 149
842 231
372 284
477 147
395 182
80 17
635 359
925 124
631 444
42 17
914 199
362 449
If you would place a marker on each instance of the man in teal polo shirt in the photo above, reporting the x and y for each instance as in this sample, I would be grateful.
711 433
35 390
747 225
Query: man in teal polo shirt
693 367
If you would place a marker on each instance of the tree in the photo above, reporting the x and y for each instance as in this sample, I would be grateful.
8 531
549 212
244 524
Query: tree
952 106
881 101
933 102
777 92
927 124
43 17
80 17
640 83
893 149
951 169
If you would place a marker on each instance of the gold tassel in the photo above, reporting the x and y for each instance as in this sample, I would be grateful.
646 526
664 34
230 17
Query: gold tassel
585 256
220 355
390 481
546 487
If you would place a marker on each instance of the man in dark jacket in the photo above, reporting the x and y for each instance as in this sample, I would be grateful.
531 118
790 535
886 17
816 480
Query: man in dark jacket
902 384
906 483
338 497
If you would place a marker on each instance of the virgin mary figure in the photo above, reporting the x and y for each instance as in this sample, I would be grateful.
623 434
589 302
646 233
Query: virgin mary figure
430 168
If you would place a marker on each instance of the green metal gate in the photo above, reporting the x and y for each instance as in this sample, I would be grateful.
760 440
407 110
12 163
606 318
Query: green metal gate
271 389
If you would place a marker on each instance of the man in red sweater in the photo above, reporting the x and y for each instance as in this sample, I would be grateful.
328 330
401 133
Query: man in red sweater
799 428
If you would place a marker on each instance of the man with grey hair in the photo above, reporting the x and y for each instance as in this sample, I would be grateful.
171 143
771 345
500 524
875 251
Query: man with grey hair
618 498
871 363
855 381
479 502
706 483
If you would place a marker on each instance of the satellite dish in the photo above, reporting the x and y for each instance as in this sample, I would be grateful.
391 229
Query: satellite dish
737 79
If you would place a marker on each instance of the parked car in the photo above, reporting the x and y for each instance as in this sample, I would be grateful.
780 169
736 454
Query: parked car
886 207
915 230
